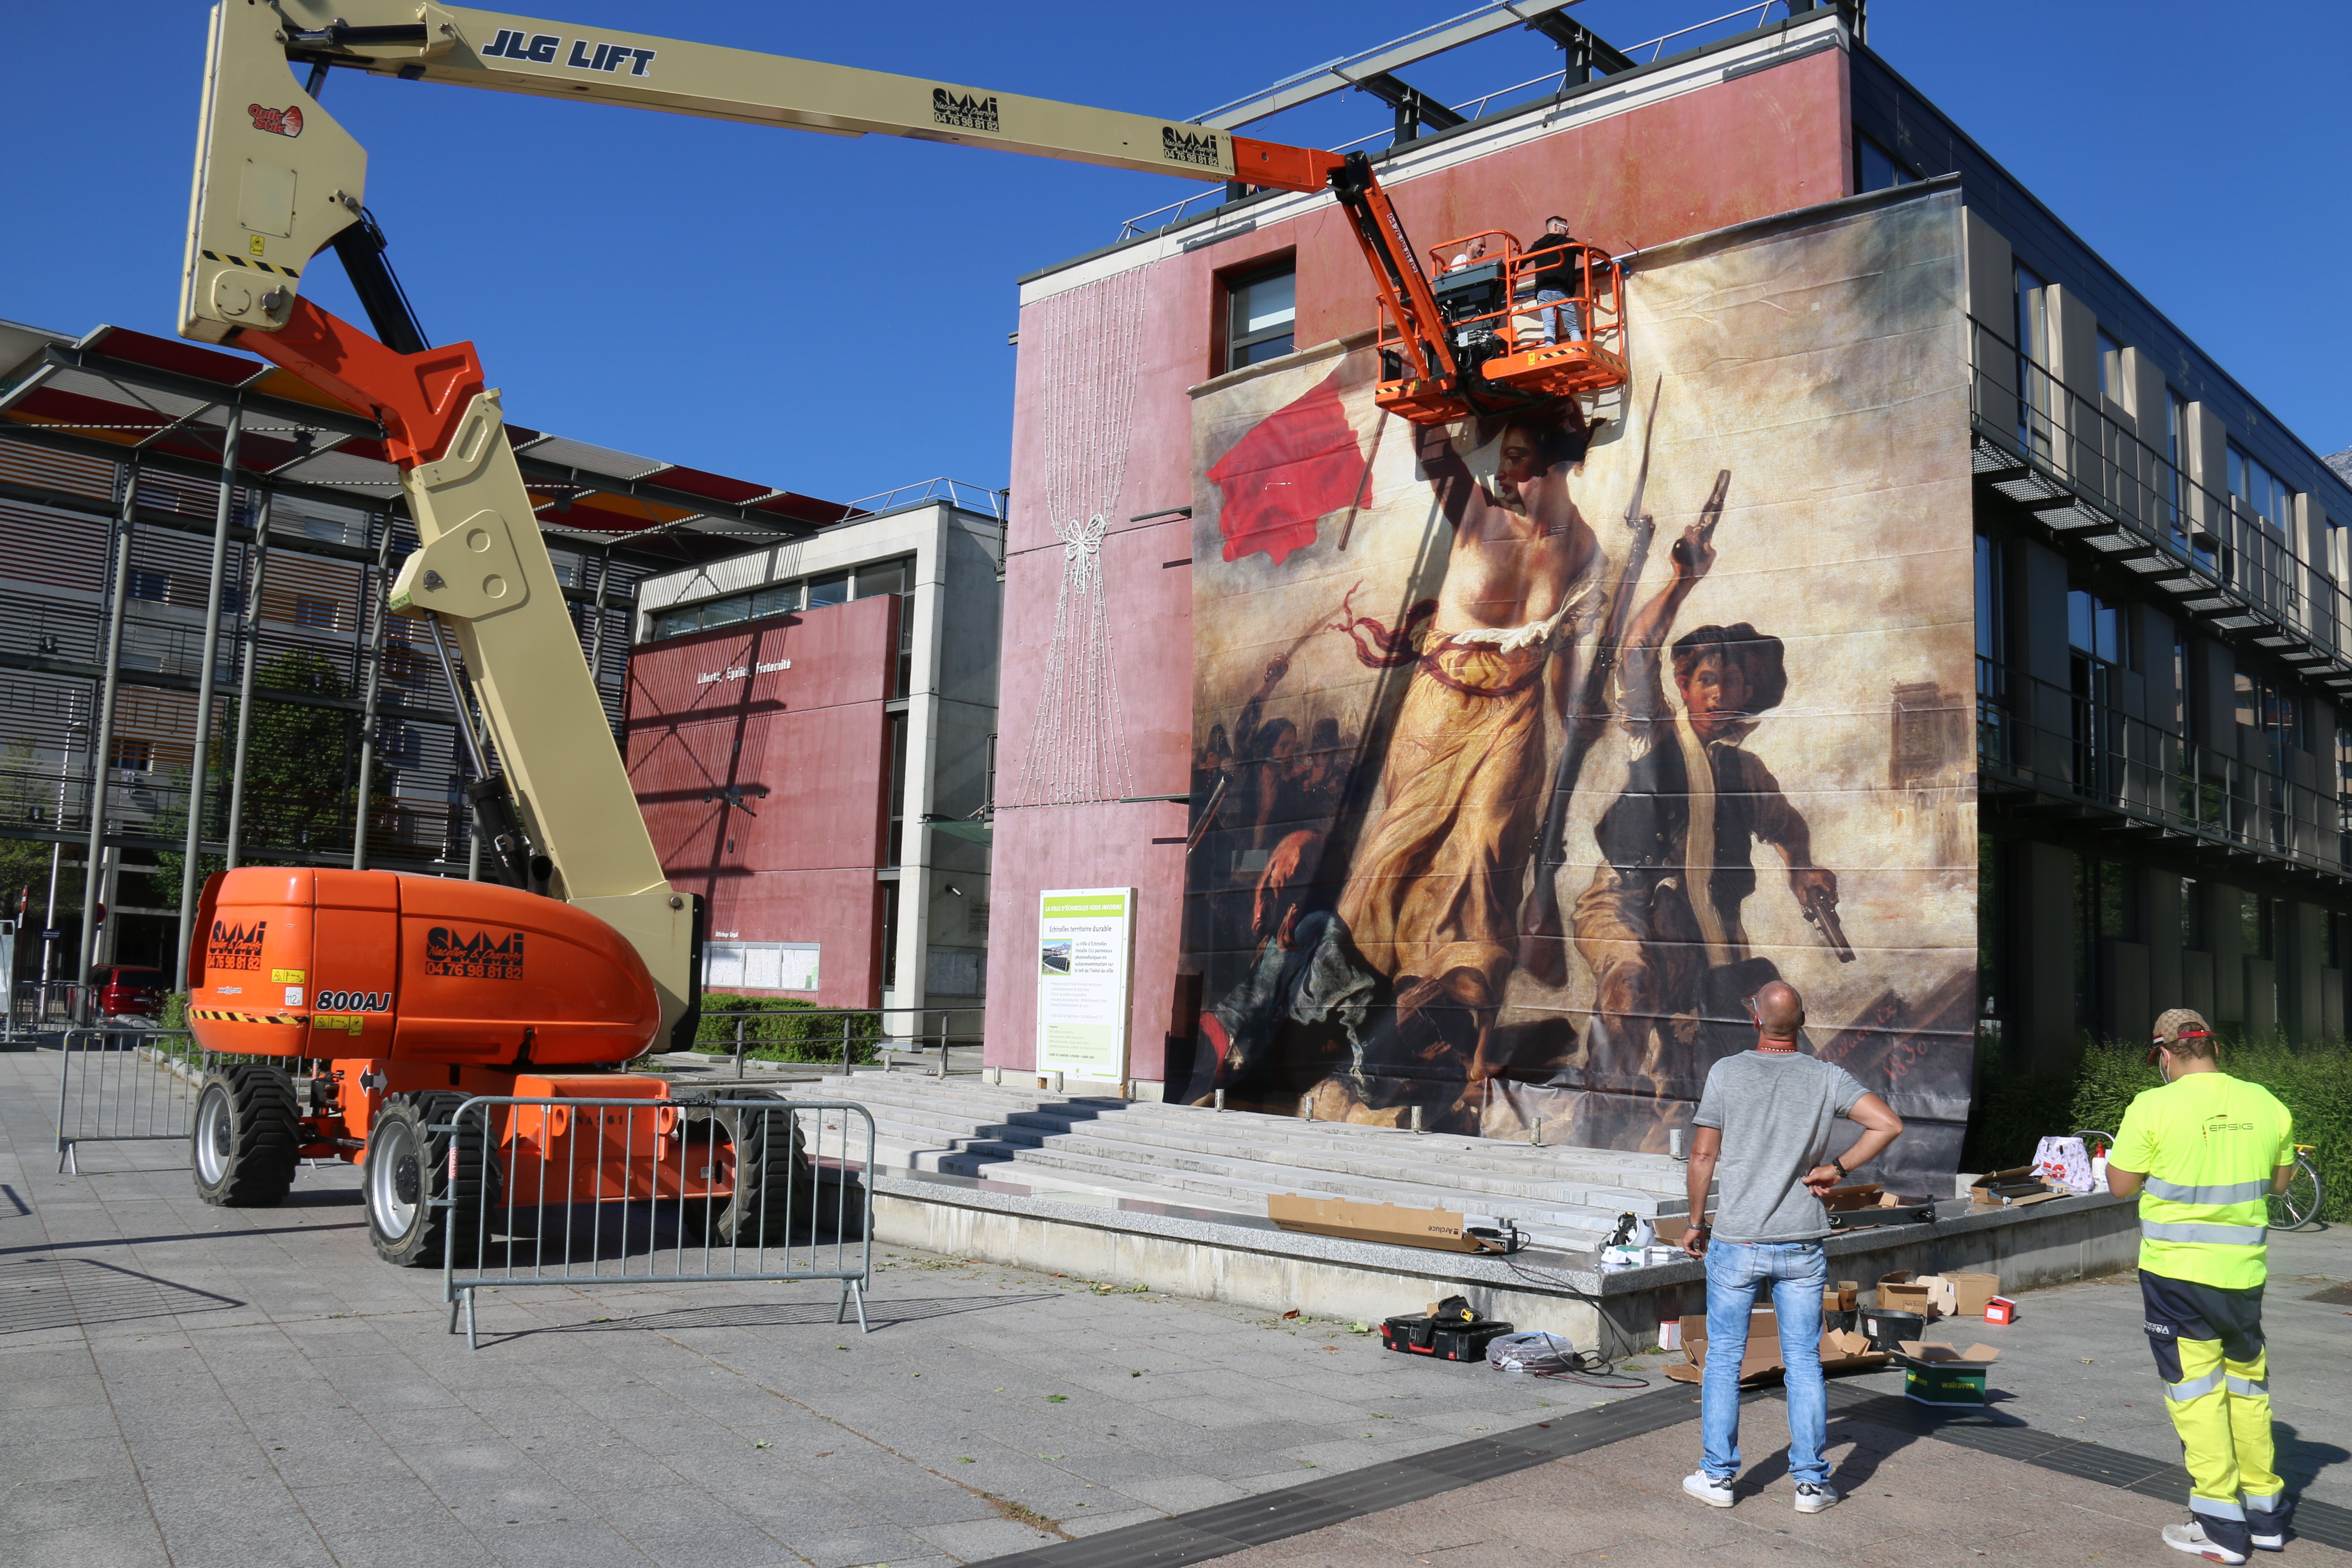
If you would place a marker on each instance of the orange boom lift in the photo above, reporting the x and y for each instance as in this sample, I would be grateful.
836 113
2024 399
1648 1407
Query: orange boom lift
420 991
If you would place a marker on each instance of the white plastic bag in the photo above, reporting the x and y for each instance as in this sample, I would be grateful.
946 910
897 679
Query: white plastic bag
1530 1352
2064 1162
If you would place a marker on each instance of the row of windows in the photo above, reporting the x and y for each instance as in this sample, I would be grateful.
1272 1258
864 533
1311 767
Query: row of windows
784 598
2260 492
168 588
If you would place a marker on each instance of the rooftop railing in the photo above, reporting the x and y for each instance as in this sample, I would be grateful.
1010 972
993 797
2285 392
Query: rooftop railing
957 493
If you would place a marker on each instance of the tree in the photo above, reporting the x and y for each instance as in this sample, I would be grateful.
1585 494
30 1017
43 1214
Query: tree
300 762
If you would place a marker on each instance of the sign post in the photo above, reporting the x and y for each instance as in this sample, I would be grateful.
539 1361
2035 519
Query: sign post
1086 947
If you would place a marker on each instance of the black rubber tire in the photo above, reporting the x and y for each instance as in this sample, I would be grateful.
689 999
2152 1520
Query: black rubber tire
406 1225
772 1174
247 1111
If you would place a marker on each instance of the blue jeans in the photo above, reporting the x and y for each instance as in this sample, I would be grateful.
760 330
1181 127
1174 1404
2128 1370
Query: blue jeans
1553 311
1798 1272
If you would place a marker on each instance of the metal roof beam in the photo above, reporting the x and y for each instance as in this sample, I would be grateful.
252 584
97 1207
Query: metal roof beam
127 373
652 490
1350 70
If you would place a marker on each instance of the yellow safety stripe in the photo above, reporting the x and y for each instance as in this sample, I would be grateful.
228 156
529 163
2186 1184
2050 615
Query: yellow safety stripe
217 1016
2228 1192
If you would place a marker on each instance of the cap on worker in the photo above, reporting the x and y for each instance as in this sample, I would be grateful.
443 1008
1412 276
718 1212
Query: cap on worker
2183 1025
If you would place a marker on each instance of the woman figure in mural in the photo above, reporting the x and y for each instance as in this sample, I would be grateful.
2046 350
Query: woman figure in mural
1660 925
1431 894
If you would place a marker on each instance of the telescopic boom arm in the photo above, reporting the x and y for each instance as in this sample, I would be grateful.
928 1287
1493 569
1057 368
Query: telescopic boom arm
278 179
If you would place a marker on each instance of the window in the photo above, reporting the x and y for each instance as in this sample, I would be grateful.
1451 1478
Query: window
2192 915
2098 636
1992 651
2258 928
1264 308
313 612
2176 431
889 935
2098 628
885 577
2111 370
2033 357
2264 493
780 600
2106 909
2270 707
131 755
1876 169
155 585
2183 710
832 590
890 852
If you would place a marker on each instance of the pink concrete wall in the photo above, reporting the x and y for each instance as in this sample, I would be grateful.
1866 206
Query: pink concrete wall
1765 143
802 869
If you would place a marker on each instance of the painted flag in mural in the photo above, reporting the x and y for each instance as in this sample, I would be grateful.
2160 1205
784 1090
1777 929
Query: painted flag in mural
1294 465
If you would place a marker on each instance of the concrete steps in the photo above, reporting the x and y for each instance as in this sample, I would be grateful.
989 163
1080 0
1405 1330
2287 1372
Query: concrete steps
1232 1161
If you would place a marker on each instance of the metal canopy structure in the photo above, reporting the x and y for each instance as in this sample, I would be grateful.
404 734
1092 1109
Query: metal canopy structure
117 392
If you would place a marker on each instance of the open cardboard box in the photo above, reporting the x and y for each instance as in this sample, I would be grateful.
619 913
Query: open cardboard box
1841 1351
1934 1352
1904 1291
1437 1228
1983 1192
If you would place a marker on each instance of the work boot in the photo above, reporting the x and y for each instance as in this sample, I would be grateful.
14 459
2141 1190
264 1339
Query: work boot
2191 1538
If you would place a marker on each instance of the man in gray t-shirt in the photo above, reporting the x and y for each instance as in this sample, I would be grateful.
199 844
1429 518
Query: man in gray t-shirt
1764 1123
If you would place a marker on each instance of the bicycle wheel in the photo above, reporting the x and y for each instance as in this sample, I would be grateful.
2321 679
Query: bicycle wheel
2299 1205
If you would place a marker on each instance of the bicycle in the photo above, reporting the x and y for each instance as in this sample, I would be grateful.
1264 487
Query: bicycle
2290 1210
2299 1205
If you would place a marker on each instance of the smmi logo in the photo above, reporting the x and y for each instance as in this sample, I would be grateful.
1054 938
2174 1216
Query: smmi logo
1185 147
473 955
513 43
964 112
235 947
277 121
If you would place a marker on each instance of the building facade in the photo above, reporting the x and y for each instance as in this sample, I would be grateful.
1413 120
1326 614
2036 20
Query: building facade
2148 568
810 729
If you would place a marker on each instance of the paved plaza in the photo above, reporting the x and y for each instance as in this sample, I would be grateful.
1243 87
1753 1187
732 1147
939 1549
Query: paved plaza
191 1386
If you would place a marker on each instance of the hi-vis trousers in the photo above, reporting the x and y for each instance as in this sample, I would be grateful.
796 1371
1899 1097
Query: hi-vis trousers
2210 1352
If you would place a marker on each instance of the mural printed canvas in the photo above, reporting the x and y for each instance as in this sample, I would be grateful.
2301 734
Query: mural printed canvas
1528 748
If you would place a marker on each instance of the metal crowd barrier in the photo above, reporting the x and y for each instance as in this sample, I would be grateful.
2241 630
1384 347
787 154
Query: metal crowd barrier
124 1086
573 1192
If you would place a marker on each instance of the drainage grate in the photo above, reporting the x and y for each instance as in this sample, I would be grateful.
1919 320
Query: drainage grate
81 1292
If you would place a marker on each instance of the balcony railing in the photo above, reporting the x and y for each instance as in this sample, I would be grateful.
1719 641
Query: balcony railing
2058 742
2060 455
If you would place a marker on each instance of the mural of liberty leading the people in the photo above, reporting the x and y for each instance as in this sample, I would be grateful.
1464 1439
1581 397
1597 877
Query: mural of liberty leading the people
1528 748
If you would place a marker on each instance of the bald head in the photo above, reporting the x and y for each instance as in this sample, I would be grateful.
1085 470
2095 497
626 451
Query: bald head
1780 1010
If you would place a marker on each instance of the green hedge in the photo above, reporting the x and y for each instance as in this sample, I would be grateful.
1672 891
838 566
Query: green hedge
783 1029
2314 1081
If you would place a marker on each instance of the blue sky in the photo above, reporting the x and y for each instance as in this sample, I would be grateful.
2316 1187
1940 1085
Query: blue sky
830 315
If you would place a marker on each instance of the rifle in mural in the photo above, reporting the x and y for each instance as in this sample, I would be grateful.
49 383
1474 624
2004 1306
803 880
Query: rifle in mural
1543 945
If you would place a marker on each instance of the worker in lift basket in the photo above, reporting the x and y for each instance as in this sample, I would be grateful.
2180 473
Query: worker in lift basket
2203 1154
1767 1115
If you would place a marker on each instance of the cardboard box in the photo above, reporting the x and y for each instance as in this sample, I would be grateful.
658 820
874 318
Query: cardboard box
2000 1310
1436 1229
1859 1196
1840 1350
1904 1291
1971 1293
2011 1188
1935 1374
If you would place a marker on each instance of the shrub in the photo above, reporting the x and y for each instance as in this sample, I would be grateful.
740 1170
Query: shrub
2314 1081
783 1029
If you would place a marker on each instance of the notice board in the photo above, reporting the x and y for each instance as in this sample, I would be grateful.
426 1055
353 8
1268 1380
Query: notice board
1085 946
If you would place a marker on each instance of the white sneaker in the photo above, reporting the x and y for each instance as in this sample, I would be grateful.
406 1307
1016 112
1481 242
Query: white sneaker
1707 1489
2191 1538
1815 1498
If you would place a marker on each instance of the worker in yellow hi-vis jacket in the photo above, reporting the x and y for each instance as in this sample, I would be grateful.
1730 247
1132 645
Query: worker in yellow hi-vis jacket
2203 1154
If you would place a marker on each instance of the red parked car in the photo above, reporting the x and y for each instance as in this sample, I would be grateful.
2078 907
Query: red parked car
127 988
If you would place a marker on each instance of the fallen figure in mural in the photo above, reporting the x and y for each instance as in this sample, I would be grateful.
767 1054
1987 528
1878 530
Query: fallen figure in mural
1660 925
